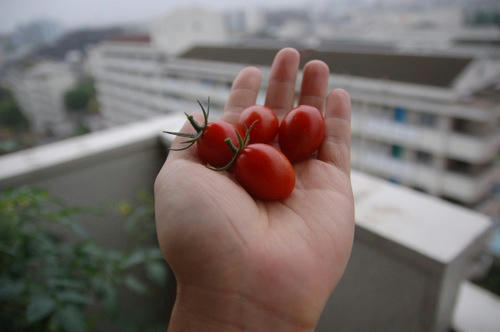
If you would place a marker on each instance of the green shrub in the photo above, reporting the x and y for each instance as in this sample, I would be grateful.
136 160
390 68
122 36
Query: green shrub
10 115
81 97
51 282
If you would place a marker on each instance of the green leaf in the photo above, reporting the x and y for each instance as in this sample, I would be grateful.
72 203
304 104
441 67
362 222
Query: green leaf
136 258
154 253
39 307
74 297
79 230
110 299
135 284
66 283
72 319
10 289
157 272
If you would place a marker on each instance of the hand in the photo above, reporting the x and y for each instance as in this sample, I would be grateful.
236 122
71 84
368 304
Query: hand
246 264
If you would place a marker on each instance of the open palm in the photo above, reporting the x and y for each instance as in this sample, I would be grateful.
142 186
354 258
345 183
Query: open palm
236 258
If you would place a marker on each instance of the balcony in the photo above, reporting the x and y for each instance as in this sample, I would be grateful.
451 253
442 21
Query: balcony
132 65
463 187
411 256
462 147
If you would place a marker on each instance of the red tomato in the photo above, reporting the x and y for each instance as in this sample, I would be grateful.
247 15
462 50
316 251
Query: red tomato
301 132
211 146
264 172
266 126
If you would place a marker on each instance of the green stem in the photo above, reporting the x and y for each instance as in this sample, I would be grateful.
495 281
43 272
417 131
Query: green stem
195 124
231 145
242 143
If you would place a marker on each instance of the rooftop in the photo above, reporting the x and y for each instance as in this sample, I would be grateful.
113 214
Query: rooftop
132 39
430 70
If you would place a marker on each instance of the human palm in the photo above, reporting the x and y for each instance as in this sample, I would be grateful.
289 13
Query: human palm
275 258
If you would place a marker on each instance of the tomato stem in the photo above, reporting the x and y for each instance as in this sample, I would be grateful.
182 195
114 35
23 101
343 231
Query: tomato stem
242 143
200 129
231 145
195 124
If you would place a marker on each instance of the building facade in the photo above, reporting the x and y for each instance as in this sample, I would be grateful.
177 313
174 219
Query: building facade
184 27
423 121
39 90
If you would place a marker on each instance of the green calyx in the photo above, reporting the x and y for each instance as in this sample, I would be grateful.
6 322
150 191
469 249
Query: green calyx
242 144
200 129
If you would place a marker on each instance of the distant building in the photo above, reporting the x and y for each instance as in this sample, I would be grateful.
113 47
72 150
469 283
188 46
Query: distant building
128 63
426 121
184 27
76 40
36 33
39 90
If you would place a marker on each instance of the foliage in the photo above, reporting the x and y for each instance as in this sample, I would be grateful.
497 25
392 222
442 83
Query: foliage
482 17
10 113
50 283
82 128
491 281
81 97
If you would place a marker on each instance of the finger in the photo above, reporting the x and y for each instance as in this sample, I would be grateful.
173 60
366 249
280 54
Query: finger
243 93
314 84
177 142
337 144
281 88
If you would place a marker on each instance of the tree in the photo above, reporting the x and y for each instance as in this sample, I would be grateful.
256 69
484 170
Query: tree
79 98
10 114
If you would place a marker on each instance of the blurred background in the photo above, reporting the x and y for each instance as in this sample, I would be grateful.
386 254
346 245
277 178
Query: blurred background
87 86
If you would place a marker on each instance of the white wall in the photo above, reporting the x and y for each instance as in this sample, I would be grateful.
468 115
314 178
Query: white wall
185 27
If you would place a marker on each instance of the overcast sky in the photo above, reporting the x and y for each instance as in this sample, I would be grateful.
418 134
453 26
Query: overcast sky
75 13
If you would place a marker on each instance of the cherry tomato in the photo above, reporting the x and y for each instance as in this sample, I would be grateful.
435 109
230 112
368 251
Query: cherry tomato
266 127
211 147
264 172
301 132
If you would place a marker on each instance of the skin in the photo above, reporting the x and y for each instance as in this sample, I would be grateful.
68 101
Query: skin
246 264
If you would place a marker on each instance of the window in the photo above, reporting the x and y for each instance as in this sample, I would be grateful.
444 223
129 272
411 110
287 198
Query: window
463 167
393 180
419 189
400 114
423 157
397 151
469 127
427 120
496 190
208 81
458 166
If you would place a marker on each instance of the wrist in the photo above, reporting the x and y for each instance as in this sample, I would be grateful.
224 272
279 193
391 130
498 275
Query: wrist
198 309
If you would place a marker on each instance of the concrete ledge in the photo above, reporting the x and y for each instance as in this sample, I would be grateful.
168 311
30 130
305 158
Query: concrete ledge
477 310
31 164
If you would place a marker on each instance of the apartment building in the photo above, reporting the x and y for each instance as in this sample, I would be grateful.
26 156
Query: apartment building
183 27
39 90
426 121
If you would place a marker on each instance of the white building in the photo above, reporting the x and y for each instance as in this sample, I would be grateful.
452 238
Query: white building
420 120
185 27
39 90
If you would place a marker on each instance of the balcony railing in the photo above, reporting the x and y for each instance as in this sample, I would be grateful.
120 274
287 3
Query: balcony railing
461 147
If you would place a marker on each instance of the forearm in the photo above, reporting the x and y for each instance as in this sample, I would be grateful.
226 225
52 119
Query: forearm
202 310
